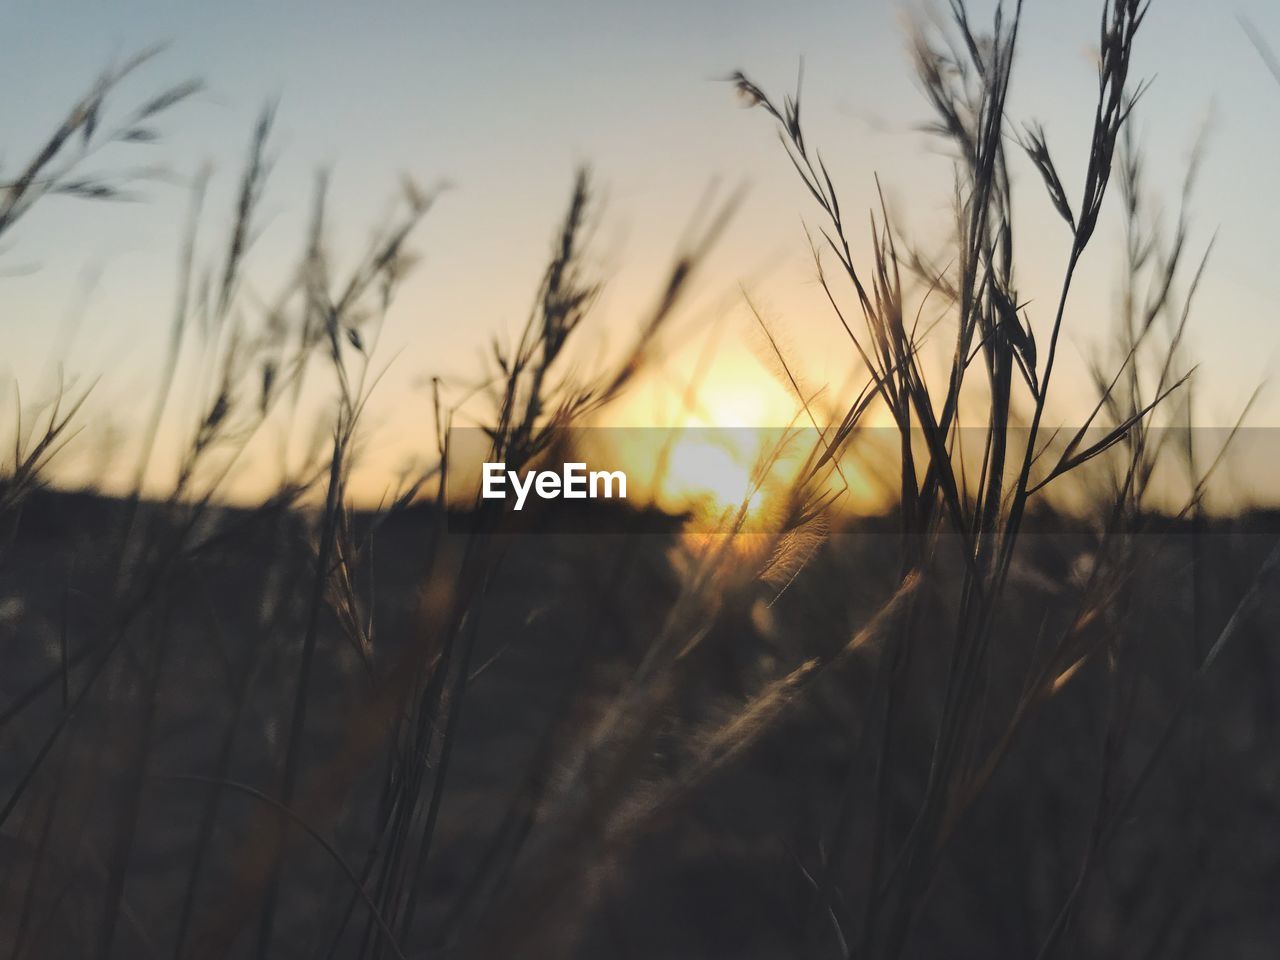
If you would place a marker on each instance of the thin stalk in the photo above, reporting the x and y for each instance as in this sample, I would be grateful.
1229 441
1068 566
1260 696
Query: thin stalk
302 690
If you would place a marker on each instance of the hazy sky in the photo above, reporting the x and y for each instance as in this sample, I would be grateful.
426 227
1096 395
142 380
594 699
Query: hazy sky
504 100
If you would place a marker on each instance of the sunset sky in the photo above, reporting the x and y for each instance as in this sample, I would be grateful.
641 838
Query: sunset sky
504 100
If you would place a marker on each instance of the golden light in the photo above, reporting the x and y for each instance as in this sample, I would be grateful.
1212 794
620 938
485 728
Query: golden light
704 473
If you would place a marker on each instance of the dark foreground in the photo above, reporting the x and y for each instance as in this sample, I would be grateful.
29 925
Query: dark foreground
571 799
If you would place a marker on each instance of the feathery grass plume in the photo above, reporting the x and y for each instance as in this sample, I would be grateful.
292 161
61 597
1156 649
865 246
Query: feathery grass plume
82 135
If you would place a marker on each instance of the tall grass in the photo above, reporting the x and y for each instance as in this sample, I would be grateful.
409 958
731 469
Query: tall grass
336 798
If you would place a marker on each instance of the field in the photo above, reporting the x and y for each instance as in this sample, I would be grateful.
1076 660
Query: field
1024 707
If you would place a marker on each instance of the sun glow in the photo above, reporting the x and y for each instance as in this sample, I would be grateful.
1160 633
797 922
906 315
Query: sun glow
709 474
714 434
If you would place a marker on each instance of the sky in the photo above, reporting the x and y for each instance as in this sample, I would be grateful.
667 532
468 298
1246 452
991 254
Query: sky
504 101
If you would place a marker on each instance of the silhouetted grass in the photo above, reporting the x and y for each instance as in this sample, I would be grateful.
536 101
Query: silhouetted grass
307 729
